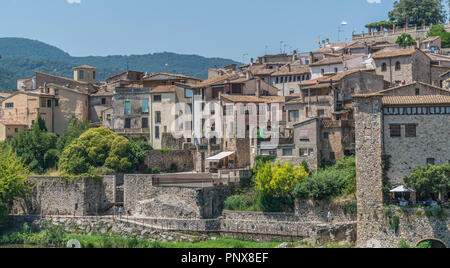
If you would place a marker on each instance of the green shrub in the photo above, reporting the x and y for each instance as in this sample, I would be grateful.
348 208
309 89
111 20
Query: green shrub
329 183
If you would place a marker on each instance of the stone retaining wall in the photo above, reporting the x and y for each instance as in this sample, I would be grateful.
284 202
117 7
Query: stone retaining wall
413 226
161 229
183 159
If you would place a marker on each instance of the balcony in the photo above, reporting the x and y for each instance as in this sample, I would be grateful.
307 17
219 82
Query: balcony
124 131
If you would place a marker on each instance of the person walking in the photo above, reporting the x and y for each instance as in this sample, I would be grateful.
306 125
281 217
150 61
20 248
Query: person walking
330 218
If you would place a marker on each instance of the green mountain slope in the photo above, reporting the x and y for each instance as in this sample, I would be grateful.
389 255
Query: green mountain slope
22 57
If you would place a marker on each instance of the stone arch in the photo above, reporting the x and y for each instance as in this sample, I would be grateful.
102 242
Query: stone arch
437 242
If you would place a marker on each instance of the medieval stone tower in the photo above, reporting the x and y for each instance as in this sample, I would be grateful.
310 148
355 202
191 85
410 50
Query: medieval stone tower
85 74
369 172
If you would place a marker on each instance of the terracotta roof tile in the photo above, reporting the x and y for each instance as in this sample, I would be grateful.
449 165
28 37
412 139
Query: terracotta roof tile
253 99
292 70
389 53
413 100
12 123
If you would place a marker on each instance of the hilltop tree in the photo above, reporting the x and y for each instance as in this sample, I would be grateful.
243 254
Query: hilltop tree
419 12
439 30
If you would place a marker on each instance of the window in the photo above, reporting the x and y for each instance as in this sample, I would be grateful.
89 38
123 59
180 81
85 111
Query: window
320 113
287 152
80 74
396 130
145 106
49 103
157 98
411 131
304 135
335 70
94 75
293 116
310 152
326 135
322 71
417 91
103 101
188 93
9 105
56 103
127 123
157 117
384 67
157 132
431 161
16 130
398 66
56 92
127 108
144 122
303 152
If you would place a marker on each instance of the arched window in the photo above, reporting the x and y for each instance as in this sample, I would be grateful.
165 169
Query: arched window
384 67
398 66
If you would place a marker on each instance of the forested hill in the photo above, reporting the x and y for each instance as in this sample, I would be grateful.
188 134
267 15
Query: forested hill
22 57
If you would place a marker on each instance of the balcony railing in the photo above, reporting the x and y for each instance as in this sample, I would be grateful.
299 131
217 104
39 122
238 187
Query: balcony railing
132 130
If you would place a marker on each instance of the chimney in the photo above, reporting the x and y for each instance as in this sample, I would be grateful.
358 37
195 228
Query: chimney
258 88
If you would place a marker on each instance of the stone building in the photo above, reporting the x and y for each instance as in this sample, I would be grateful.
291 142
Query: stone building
206 101
320 118
55 104
400 66
130 113
288 78
128 78
164 79
9 129
414 129
409 126
167 102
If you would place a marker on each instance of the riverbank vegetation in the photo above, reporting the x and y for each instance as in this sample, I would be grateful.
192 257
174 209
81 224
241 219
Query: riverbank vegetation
53 236
274 186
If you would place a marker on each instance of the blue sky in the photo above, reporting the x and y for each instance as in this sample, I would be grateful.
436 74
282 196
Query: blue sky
209 28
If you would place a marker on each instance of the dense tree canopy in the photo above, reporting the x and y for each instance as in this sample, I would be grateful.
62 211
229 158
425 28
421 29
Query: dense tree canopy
429 180
278 179
13 175
74 130
439 30
94 149
419 12
22 57
36 147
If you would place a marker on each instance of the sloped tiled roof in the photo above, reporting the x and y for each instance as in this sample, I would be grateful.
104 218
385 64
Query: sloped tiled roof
84 67
292 70
164 76
215 80
328 61
253 99
416 100
394 53
12 123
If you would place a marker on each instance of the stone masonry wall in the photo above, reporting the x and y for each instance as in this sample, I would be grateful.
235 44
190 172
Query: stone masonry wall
144 199
163 160
56 196
369 173
407 153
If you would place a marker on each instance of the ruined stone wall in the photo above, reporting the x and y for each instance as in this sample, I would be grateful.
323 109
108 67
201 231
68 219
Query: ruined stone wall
57 196
144 199
183 159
